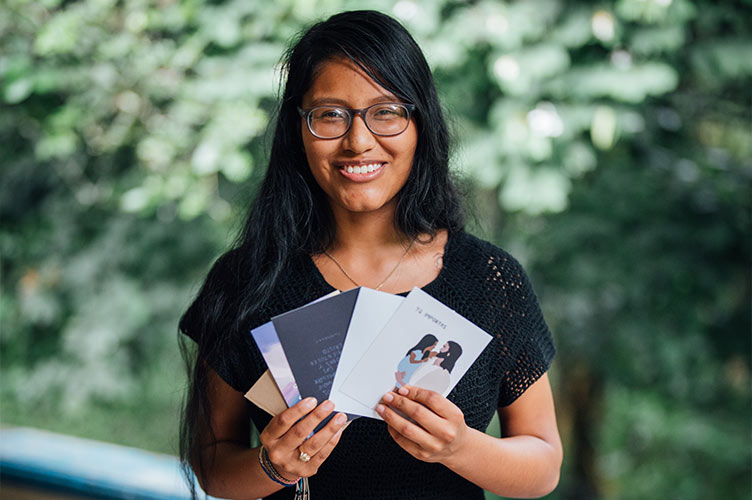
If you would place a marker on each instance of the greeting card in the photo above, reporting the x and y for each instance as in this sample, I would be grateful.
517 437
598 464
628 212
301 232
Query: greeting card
424 344
372 311
271 349
312 339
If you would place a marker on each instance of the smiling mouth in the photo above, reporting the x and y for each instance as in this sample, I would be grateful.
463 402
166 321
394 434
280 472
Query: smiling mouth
362 169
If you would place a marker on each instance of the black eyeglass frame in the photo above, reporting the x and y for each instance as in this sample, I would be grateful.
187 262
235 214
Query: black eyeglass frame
306 114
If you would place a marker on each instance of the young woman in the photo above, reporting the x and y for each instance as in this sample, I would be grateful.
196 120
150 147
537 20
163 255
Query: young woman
435 376
414 358
358 193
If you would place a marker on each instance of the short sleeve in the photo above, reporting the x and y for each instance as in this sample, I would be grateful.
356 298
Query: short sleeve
210 321
532 348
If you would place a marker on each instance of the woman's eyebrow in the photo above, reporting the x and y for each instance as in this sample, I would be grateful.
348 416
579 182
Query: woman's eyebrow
322 101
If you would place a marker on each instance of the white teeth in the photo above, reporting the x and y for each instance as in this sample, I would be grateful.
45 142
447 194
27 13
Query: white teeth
364 169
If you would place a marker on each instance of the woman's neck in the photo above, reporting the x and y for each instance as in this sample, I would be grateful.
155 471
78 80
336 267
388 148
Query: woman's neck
369 250
366 232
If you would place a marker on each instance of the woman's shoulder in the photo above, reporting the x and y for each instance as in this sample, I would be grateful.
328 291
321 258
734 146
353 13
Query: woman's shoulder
226 269
231 271
218 286
481 279
472 252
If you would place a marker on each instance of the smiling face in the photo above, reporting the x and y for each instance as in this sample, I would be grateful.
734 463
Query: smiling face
384 162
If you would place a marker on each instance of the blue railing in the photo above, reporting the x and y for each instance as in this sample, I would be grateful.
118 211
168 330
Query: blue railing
85 468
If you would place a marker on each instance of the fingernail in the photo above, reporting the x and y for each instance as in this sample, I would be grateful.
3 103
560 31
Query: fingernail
340 419
327 405
403 391
379 409
388 397
309 402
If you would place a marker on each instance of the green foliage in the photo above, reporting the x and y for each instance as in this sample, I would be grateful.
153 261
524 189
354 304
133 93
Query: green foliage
608 145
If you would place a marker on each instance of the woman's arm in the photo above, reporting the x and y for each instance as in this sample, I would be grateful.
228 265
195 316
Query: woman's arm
232 469
525 463
413 359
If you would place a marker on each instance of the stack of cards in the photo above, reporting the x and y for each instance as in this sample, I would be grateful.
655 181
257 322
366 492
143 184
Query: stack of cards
354 346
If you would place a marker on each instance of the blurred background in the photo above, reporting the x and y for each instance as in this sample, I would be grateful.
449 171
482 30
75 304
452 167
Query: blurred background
607 145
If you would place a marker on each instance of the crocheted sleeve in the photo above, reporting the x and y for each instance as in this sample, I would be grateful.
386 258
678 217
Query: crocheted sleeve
527 337
488 286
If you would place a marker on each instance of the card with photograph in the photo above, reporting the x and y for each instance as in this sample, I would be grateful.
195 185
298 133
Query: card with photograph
271 349
424 344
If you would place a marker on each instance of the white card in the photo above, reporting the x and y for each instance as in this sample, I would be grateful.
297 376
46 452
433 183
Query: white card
372 311
444 346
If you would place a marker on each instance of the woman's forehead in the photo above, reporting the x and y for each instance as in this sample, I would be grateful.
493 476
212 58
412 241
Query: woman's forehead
341 81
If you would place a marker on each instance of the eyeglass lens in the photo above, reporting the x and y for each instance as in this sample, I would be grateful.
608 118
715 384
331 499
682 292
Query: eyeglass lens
381 119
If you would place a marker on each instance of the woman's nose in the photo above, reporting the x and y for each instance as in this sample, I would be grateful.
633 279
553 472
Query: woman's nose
358 139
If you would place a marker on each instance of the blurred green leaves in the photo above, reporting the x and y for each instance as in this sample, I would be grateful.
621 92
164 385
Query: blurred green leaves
182 89
188 88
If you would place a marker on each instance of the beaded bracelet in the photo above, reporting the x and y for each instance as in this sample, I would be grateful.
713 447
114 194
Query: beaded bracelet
271 472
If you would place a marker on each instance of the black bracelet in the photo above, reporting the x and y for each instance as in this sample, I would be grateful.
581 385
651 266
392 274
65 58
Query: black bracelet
271 472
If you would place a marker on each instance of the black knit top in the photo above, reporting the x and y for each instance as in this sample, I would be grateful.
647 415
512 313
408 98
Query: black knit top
479 281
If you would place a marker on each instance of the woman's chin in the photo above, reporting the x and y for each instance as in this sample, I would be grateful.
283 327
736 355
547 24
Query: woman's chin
367 206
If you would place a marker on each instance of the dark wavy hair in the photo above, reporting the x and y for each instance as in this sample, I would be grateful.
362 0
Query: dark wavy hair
451 356
426 341
291 214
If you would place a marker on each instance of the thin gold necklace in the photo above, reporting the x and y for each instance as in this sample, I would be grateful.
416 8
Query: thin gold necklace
387 276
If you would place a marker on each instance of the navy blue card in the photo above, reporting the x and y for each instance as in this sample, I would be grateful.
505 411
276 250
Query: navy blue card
312 338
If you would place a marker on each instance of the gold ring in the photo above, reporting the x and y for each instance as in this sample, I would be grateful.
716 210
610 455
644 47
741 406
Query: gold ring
304 457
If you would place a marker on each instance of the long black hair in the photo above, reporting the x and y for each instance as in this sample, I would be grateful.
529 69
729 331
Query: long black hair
290 213
426 341
451 356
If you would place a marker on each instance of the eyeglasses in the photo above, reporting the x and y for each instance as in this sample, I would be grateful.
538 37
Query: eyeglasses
331 122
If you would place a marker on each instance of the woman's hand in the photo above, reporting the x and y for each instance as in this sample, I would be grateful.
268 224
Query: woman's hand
438 429
286 437
525 463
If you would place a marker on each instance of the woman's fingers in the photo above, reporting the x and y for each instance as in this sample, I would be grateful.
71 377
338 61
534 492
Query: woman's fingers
426 408
299 432
321 444
282 423
409 429
294 449
311 445
423 422
431 399
408 445
305 457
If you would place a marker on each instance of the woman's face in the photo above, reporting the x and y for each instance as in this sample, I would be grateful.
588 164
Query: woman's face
444 348
430 347
340 82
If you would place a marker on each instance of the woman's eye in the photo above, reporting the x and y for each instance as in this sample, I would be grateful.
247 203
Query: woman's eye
388 112
329 114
